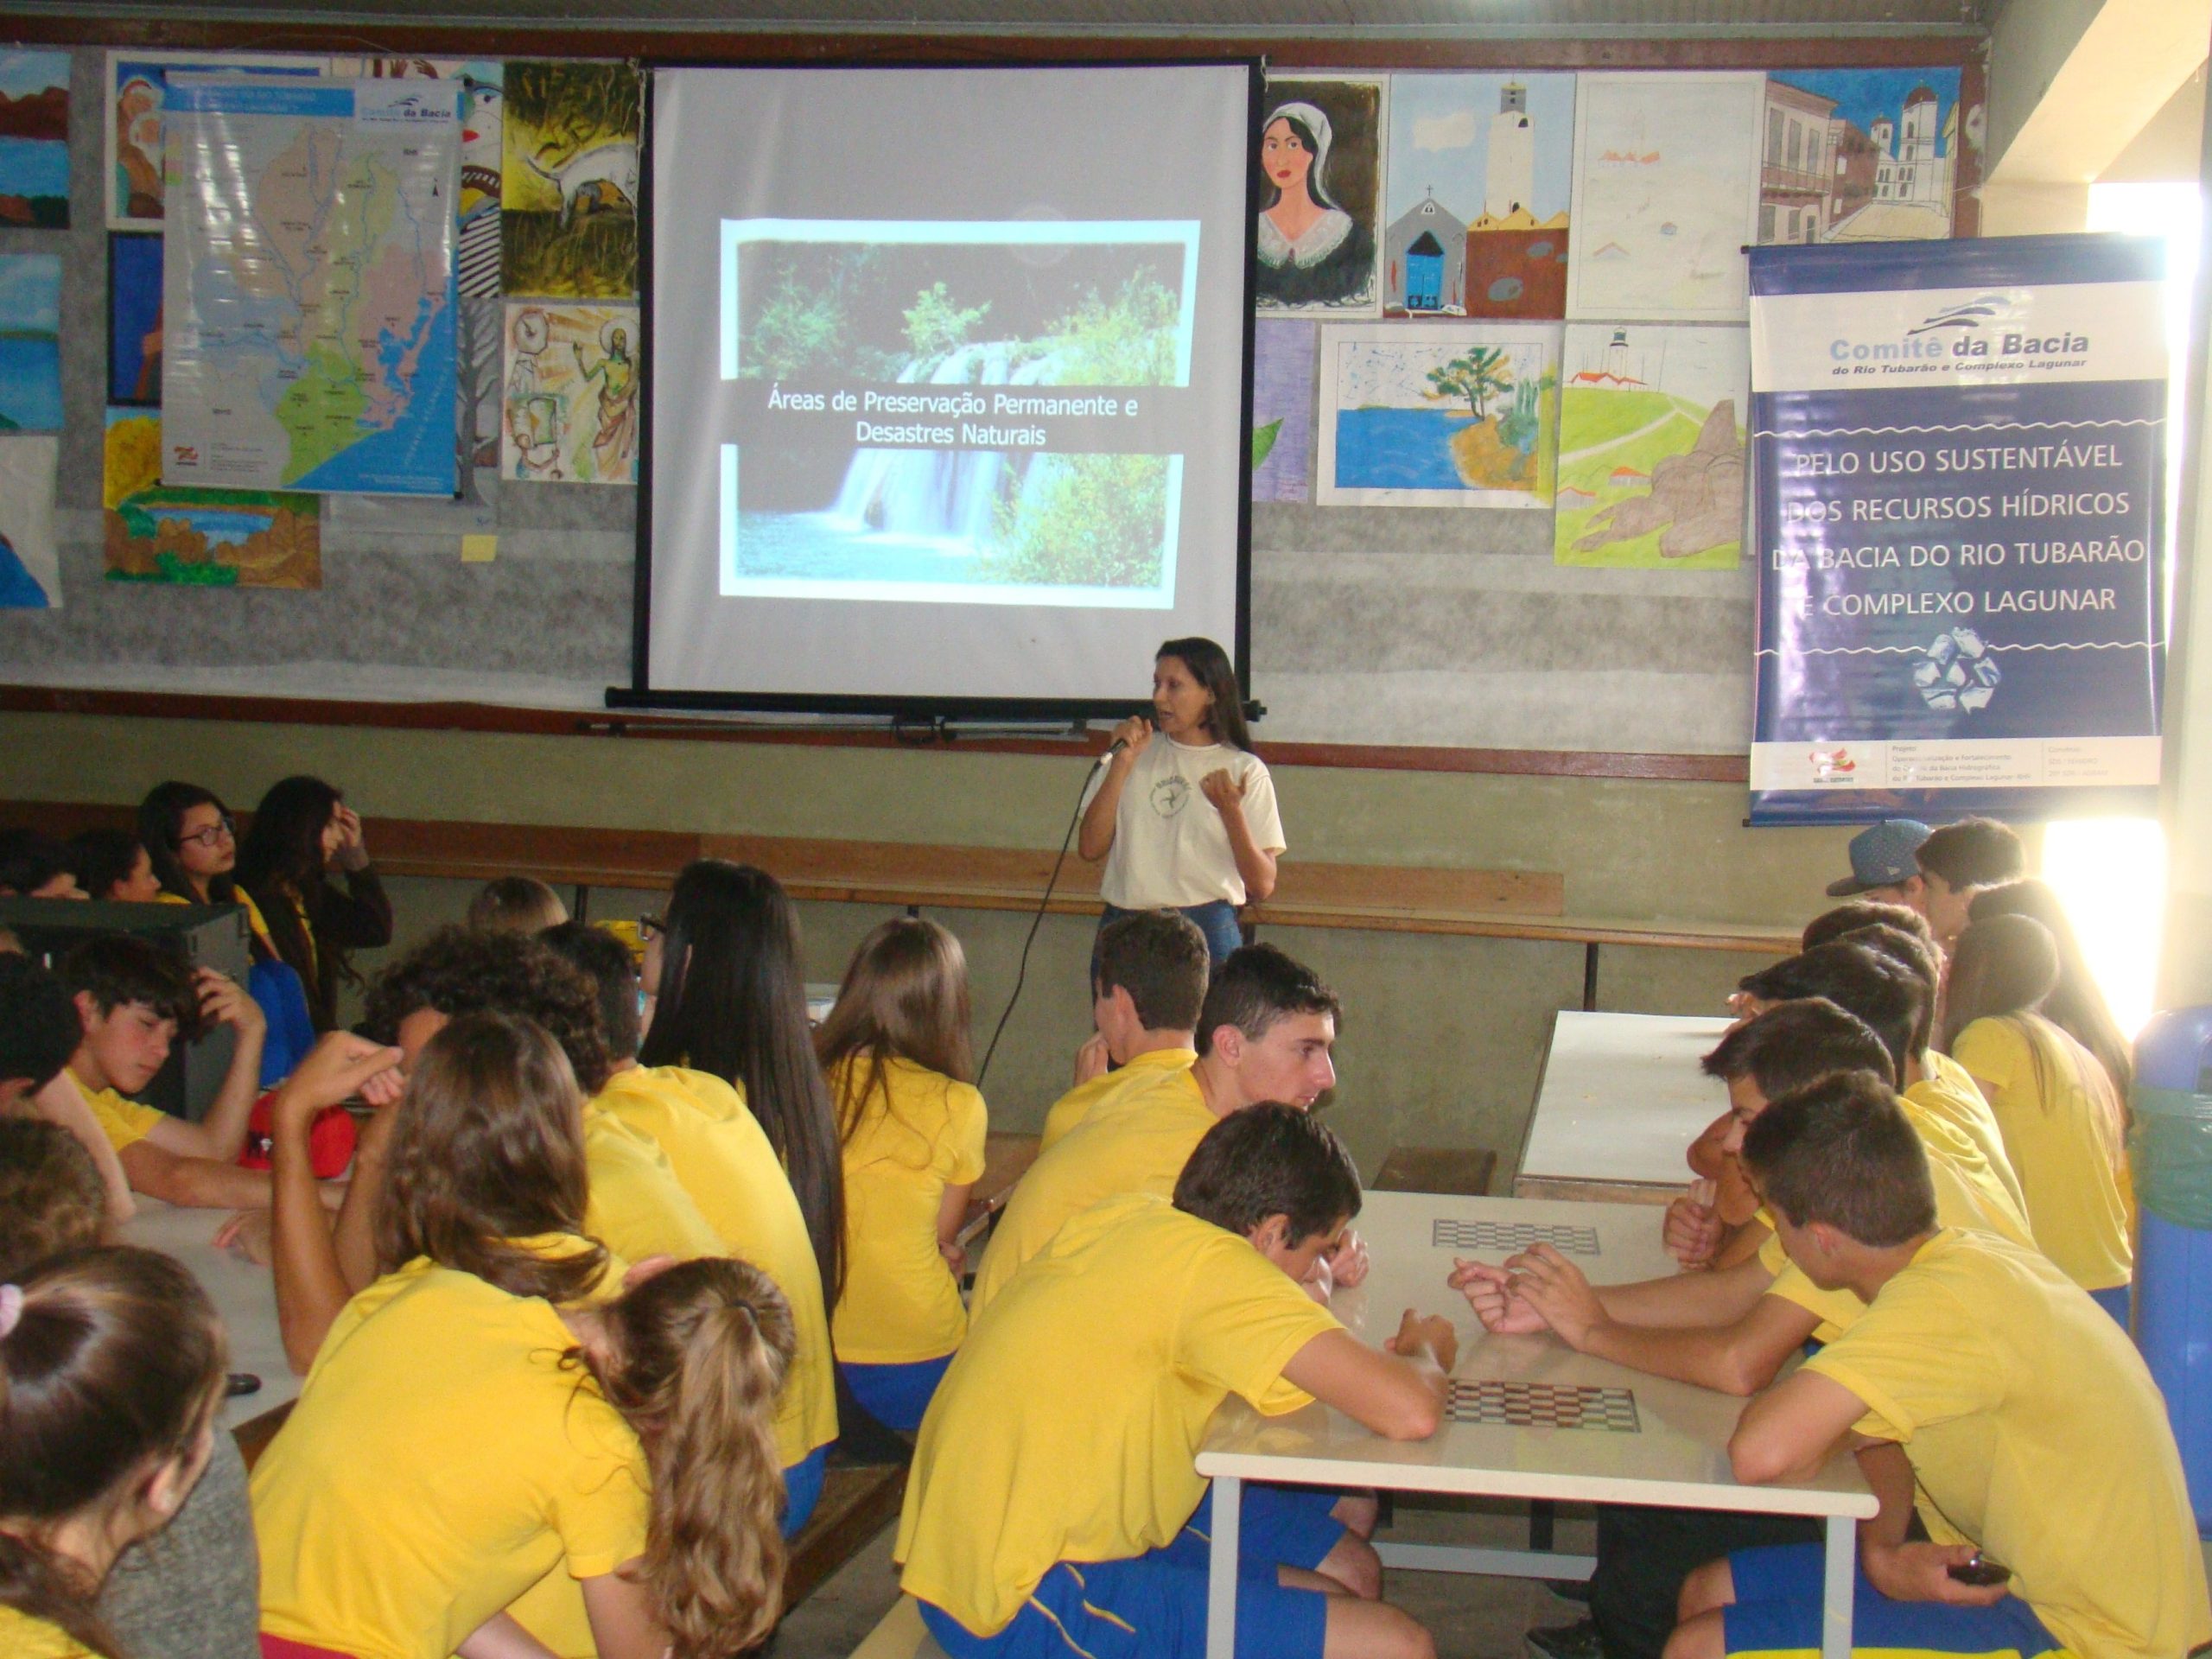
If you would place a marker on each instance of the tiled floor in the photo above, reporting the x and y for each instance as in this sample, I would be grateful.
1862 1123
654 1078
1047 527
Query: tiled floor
1472 1617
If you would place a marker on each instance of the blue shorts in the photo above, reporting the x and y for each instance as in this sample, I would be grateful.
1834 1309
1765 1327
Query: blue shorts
895 1396
1216 919
1777 1611
803 1488
1153 1606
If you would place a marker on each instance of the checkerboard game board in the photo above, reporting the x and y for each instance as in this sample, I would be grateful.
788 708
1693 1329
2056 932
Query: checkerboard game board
1511 1236
1544 1404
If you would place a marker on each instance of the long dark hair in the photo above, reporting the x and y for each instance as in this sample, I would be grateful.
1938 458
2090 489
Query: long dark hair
905 998
2076 1005
1210 667
160 822
488 1147
116 1359
280 859
283 847
732 1001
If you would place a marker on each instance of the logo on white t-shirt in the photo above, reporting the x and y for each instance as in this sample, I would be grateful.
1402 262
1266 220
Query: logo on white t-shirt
1170 795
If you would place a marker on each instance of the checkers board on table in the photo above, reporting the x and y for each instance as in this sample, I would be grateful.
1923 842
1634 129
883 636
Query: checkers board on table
1544 1404
1448 1234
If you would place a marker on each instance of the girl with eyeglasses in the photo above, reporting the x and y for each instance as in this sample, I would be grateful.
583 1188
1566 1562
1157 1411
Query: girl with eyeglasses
191 839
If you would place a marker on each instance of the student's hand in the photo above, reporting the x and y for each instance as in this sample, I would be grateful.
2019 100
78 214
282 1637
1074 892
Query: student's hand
336 1069
956 1257
249 1233
224 1002
1922 1572
1432 1335
1092 1059
1691 1232
1348 1262
1220 786
352 851
1132 735
1554 1287
1490 1292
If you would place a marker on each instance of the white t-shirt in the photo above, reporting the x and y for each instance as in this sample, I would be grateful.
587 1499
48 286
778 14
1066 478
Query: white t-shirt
1170 847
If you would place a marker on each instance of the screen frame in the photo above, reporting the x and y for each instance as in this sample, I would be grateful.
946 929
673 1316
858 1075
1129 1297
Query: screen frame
640 694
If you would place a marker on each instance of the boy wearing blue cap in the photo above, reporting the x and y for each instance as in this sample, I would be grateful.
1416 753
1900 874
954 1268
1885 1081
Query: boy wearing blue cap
1884 865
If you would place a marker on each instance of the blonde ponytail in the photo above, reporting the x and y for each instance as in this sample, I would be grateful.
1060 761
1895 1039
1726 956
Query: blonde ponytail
698 1354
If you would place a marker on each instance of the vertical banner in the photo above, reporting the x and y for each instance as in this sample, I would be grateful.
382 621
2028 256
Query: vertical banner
1958 455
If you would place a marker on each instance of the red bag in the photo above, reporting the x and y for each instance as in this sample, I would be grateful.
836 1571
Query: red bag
330 1139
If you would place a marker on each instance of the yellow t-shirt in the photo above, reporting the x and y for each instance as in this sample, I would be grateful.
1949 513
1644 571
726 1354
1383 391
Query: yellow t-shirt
1077 1105
22 1636
1135 1141
1948 1092
722 1159
1047 1443
125 1122
638 1209
2065 1144
439 1461
1959 1202
2035 1432
901 1303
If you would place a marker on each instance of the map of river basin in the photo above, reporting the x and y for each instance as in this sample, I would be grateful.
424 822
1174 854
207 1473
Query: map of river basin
309 285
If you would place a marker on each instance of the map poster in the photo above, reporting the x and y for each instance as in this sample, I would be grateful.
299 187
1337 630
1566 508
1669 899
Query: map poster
571 394
200 538
137 93
1960 455
308 291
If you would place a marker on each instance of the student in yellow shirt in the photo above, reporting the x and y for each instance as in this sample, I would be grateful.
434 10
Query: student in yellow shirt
474 1422
1731 1328
2065 1474
634 1204
729 998
133 999
112 1368
2075 1004
1876 974
2060 1113
192 841
1149 979
1264 1034
896 1051
1055 1507
39 1032
730 1173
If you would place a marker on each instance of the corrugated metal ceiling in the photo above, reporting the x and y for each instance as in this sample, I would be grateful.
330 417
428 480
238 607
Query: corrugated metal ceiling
1433 19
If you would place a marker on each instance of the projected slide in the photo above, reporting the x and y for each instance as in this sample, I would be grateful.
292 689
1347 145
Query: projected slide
960 412
944 381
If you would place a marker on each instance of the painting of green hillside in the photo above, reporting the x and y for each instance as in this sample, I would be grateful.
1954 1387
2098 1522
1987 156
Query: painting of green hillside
1650 471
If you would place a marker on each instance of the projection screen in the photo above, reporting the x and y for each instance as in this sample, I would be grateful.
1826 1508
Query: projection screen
948 404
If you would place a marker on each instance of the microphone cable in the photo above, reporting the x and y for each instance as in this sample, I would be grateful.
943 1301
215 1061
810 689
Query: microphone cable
1021 971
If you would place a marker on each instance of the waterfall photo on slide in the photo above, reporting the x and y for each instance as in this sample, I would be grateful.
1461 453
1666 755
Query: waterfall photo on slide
981 413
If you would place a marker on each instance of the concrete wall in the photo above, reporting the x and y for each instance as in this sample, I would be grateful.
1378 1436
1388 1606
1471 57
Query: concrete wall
1443 1037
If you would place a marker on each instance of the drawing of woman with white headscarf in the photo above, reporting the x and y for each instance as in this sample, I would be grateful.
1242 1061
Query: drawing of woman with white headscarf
1311 251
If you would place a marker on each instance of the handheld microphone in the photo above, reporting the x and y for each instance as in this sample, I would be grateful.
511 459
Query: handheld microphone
1113 749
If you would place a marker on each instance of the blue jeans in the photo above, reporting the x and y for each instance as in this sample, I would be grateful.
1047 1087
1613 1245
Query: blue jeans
1217 920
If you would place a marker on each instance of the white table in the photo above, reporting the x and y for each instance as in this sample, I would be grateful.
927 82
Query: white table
1675 1456
244 1295
1620 1100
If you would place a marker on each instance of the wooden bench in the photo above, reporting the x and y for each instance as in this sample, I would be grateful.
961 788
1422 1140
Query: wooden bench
1467 902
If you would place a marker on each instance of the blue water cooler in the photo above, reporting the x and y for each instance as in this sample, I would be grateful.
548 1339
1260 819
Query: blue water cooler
2170 1154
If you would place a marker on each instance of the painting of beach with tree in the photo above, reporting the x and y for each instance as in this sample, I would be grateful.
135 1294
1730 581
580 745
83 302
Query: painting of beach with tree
1651 447
1434 414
